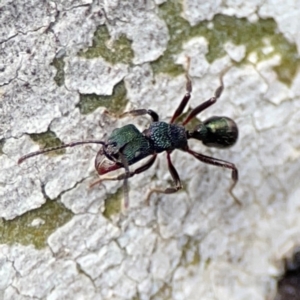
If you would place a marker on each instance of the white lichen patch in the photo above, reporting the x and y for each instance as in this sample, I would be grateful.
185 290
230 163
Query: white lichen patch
283 15
29 264
195 11
236 53
30 97
195 49
76 33
140 23
19 190
22 18
241 9
98 77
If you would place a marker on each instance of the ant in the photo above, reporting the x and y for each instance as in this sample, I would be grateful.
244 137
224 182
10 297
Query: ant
127 145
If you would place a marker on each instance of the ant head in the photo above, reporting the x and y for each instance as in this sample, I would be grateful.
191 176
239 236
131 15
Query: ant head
218 132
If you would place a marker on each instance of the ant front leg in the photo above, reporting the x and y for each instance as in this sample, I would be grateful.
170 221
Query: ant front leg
136 113
184 101
186 97
198 109
220 163
125 181
169 190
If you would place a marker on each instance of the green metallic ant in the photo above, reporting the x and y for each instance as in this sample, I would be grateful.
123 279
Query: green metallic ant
127 145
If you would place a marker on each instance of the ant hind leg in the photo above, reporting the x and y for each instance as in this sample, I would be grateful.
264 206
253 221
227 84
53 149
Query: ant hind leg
169 190
220 163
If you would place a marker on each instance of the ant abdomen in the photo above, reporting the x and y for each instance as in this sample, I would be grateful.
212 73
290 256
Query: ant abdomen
220 132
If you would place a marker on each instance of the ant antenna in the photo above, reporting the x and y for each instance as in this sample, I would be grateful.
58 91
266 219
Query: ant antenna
21 159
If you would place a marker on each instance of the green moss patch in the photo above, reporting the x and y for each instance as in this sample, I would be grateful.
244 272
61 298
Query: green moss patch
20 230
113 203
2 141
59 64
113 51
254 36
48 139
115 103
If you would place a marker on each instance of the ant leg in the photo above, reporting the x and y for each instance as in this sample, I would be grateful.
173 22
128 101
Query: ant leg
220 163
125 181
184 101
122 176
169 190
141 112
198 109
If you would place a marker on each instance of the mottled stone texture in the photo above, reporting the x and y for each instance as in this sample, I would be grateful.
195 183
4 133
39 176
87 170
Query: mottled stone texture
196 242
